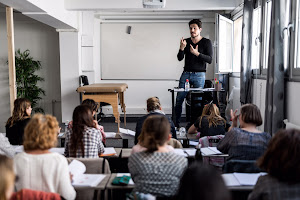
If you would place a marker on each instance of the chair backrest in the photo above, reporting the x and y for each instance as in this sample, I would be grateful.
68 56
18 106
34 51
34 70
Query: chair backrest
84 80
174 143
94 165
210 141
242 166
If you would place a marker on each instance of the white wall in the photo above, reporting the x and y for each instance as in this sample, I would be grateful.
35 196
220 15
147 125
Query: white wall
42 41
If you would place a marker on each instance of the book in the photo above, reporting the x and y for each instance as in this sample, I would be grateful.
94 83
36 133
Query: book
127 131
241 179
190 152
126 174
180 152
80 179
210 151
109 151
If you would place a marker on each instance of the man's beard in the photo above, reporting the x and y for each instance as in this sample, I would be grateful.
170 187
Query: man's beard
194 36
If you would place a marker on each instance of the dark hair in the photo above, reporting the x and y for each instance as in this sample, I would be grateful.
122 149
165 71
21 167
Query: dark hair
153 103
211 111
82 118
155 132
250 114
196 21
19 112
281 159
201 181
91 103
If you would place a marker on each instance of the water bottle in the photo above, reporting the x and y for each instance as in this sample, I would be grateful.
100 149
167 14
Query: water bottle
66 125
187 85
182 132
198 155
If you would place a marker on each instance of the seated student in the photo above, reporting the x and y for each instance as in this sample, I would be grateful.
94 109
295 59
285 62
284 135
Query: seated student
153 108
7 178
83 140
203 182
282 163
5 147
94 107
156 171
210 123
246 142
38 168
15 125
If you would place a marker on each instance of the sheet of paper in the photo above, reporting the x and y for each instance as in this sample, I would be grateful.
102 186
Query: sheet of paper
230 180
109 150
127 131
180 152
248 178
190 152
214 149
88 180
58 150
193 143
76 168
207 151
110 134
126 174
61 134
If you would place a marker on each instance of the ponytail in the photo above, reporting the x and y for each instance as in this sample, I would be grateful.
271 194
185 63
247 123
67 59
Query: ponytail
155 132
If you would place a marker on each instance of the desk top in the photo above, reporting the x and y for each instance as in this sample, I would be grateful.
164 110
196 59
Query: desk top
201 90
100 186
110 186
103 87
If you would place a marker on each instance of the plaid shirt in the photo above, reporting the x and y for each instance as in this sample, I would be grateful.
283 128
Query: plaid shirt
92 141
269 188
244 145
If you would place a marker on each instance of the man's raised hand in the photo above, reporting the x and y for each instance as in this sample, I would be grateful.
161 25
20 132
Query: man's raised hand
194 50
182 44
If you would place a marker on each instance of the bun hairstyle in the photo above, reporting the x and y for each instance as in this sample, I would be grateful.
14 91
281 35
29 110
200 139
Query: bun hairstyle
153 103
155 132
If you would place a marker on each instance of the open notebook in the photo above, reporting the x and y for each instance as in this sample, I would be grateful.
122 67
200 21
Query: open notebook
240 179
210 151
80 179
127 131
109 151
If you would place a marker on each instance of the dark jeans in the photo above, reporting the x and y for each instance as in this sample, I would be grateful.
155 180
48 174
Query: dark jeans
197 80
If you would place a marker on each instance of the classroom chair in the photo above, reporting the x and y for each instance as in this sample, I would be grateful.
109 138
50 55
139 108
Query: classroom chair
175 143
93 166
242 166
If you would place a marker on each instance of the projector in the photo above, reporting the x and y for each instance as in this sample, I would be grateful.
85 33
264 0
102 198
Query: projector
154 3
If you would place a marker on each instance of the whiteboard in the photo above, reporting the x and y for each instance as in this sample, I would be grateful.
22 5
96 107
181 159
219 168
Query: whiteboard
148 52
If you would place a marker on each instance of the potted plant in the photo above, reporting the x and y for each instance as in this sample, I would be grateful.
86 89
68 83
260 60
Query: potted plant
27 80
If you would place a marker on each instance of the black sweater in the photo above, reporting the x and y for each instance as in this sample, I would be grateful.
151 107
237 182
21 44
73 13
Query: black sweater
196 63
16 132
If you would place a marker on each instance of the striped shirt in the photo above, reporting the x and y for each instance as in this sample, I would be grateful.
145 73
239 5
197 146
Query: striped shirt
92 142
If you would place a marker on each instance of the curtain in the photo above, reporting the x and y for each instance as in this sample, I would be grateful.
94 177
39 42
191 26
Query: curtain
274 113
245 75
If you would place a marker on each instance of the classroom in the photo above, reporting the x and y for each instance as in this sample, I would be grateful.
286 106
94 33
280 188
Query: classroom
130 57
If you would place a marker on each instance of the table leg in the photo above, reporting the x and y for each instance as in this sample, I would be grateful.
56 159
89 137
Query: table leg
173 105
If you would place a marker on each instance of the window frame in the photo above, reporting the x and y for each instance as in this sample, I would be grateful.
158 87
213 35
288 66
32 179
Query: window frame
295 39
259 37
265 43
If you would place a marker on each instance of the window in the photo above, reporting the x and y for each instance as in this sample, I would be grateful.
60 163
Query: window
267 26
225 44
256 30
237 46
298 39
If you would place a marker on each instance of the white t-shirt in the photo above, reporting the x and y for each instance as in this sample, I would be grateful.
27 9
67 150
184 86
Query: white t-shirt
44 172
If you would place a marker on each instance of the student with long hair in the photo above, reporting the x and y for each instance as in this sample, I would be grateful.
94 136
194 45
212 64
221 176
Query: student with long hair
281 162
157 170
83 140
153 108
210 123
15 125
38 168
203 182
7 178
246 142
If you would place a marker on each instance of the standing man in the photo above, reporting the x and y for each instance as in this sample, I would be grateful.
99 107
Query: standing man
197 51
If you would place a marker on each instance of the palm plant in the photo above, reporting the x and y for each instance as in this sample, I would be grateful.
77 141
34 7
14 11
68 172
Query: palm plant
26 79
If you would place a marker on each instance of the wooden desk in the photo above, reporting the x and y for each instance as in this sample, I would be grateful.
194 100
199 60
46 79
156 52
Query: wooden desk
112 93
126 153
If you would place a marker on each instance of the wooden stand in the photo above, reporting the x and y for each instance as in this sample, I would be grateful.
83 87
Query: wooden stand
112 94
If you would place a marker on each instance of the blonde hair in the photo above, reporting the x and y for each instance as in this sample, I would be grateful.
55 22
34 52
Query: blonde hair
153 103
41 132
19 112
211 111
7 175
